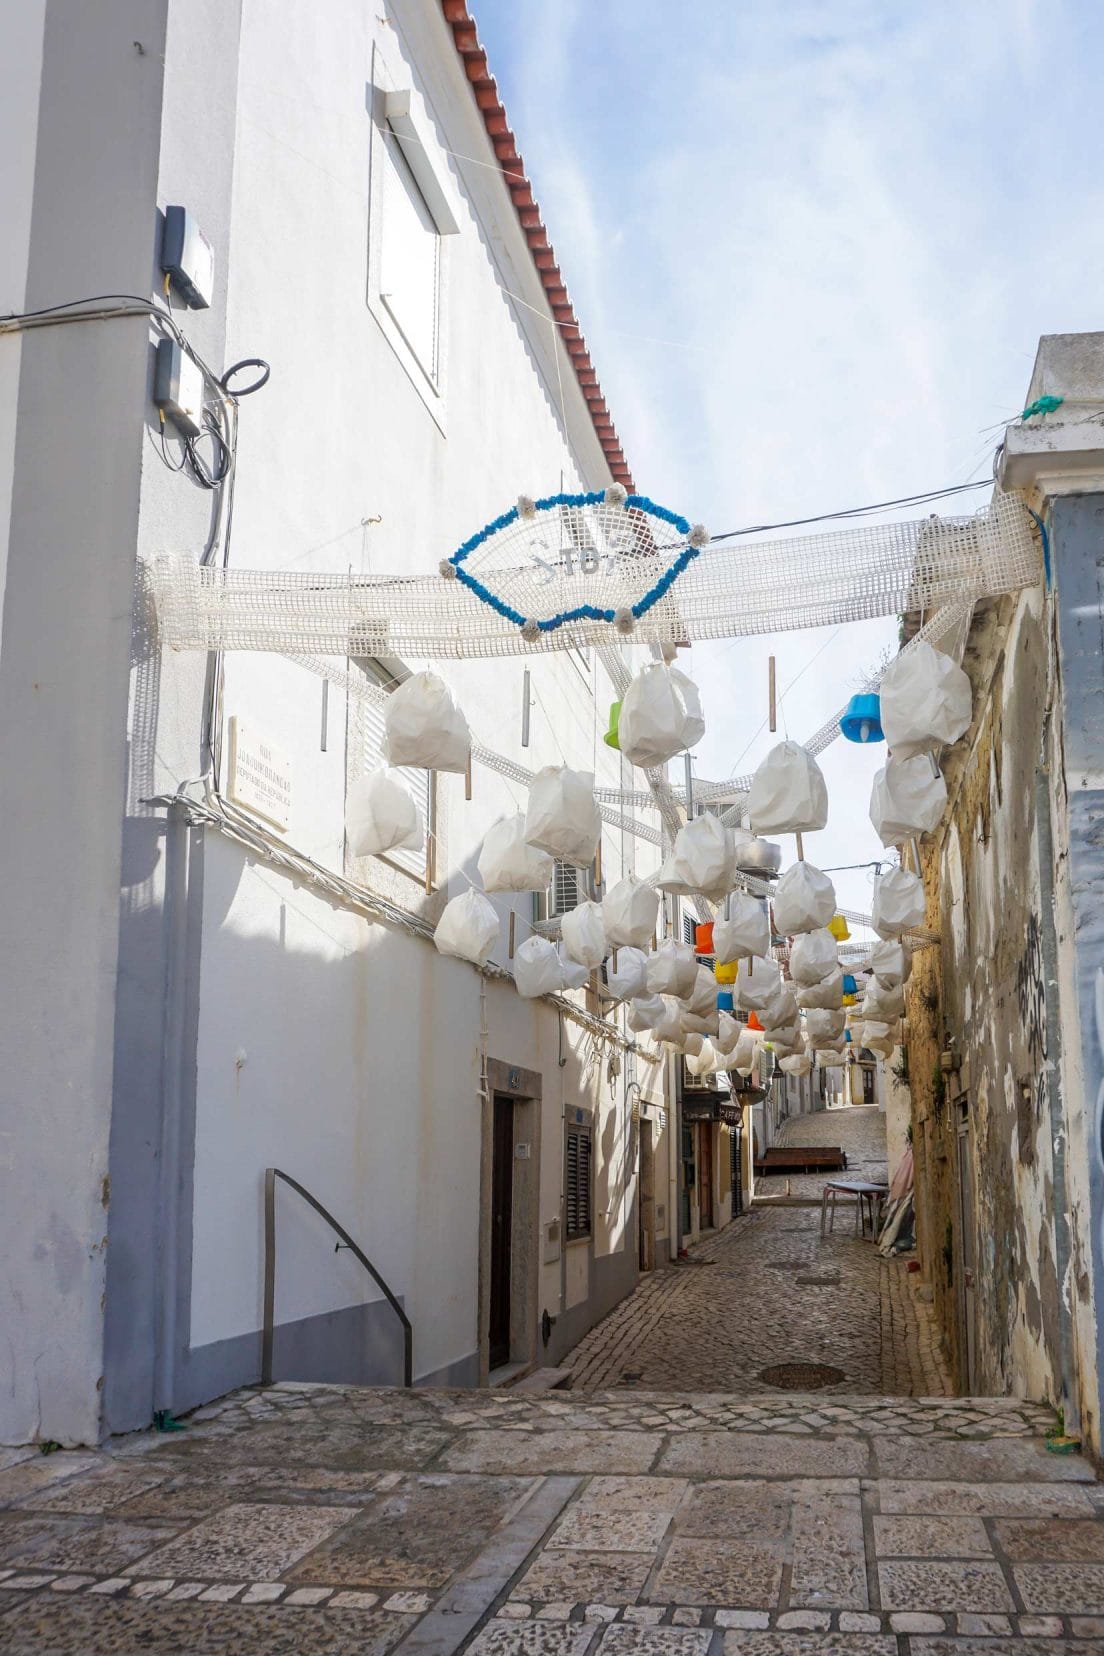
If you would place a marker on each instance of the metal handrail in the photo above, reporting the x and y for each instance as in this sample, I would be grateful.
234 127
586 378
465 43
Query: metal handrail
271 1175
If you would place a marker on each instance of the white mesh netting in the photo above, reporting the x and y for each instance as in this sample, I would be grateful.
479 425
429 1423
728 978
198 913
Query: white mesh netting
732 589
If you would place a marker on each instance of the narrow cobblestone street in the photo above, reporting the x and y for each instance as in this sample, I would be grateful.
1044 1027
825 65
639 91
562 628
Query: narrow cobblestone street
671 1504
769 1289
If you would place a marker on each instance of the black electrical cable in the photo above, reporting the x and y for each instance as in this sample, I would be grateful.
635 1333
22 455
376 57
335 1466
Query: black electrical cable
209 476
855 511
246 390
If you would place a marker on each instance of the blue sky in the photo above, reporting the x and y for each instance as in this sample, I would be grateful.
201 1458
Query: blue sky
850 221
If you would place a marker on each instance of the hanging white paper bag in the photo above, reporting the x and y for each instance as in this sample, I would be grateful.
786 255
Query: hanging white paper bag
898 903
703 1061
825 1026
630 910
744 1054
745 932
879 1038
884 1005
907 799
702 1024
804 900
759 979
425 728
630 976
827 994
572 975
468 928
891 963
702 859
381 816
584 936
702 999
926 701
813 956
563 817
788 793
799 1063
728 1033
645 1012
660 716
507 862
672 970
537 968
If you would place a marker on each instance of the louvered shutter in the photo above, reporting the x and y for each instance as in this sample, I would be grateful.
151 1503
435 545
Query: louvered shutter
577 1183
564 893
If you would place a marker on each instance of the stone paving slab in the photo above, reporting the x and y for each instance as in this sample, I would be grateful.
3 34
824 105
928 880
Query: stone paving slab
841 1304
708 1529
106 1627
712 1515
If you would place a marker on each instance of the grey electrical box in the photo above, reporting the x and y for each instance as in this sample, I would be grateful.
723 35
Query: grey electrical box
178 388
188 257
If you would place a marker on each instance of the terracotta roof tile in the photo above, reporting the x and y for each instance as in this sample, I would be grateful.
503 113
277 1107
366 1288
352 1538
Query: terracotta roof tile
504 144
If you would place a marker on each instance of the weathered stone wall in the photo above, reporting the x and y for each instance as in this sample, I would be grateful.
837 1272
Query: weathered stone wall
981 996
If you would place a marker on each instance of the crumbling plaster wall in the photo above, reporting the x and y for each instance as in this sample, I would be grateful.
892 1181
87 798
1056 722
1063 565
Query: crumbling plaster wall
982 995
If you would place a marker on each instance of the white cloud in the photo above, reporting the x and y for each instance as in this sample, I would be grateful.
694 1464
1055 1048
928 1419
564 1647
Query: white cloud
859 217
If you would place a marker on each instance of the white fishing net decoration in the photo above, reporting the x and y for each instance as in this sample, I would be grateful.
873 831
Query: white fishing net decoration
732 589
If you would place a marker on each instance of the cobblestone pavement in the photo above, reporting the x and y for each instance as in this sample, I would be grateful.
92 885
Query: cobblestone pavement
770 1290
322 1519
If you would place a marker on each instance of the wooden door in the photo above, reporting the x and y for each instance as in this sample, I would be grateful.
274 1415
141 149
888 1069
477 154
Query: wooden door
705 1175
502 1214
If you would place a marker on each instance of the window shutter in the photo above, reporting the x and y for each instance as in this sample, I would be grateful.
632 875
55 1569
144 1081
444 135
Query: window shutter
564 894
577 1183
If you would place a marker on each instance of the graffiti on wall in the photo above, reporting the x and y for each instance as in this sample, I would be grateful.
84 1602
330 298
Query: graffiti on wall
1030 992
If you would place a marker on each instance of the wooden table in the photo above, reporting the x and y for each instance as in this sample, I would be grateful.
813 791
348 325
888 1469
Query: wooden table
863 1192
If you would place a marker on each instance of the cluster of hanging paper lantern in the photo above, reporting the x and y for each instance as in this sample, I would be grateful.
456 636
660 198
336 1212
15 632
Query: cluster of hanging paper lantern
923 704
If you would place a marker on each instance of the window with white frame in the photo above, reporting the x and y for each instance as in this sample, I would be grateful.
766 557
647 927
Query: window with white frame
414 210
366 738
410 258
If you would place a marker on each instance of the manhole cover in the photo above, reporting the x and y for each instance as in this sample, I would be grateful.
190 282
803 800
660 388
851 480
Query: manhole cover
830 1279
801 1376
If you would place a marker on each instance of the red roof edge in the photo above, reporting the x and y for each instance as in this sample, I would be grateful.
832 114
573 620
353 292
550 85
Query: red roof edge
473 59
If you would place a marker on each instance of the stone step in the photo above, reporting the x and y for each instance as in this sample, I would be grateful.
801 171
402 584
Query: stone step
545 1379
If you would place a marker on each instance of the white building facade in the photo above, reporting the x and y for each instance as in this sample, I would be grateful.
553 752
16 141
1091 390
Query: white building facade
186 1005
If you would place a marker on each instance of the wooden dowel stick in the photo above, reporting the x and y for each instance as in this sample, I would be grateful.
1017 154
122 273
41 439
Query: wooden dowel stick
513 922
468 779
598 866
800 848
772 699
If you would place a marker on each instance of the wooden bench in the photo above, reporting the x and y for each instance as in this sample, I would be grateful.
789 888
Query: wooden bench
798 1158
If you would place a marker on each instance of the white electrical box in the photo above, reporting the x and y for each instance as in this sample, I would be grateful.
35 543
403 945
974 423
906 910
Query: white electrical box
188 258
178 388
